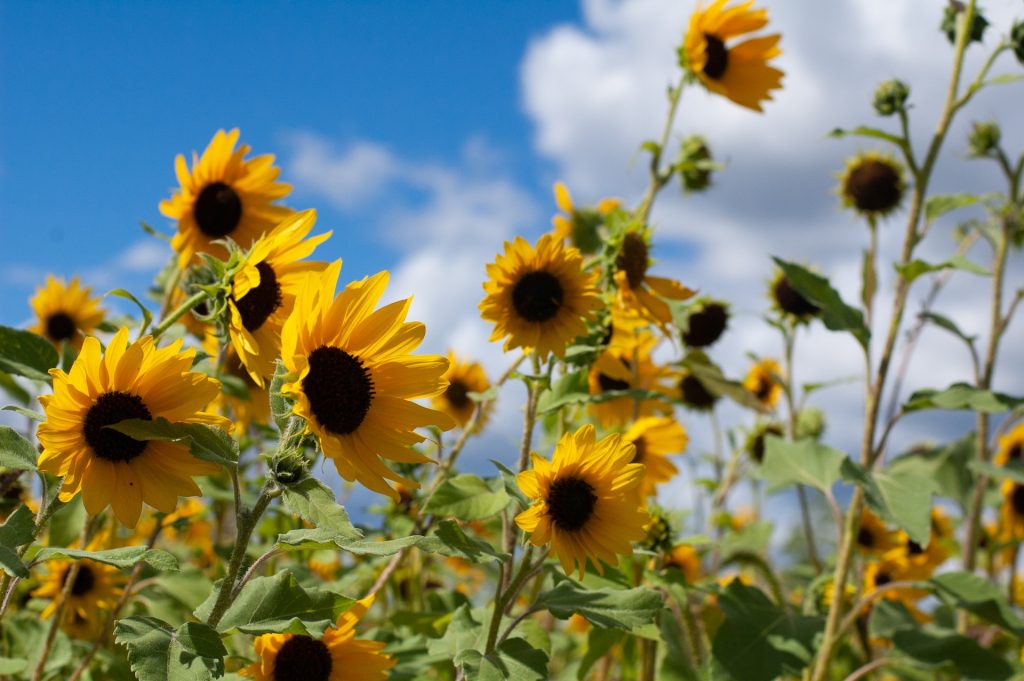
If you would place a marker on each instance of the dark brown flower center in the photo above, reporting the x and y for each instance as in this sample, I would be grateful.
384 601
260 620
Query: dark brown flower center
874 186
757 447
914 549
457 395
60 327
705 326
217 210
302 658
789 300
608 383
571 502
718 57
882 578
1017 499
865 538
1016 452
84 582
259 303
108 409
641 449
695 395
339 389
633 259
537 296
763 388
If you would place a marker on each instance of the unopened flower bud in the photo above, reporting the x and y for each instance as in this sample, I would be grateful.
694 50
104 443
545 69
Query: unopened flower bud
984 137
695 164
891 97
949 21
1017 40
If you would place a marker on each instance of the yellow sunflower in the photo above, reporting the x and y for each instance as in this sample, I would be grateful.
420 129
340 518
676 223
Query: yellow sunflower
655 439
224 196
763 381
1011 446
639 290
872 184
589 503
65 312
924 559
887 570
1011 513
264 290
613 370
686 559
463 377
873 537
95 591
579 225
789 302
539 298
336 656
129 381
741 71
354 379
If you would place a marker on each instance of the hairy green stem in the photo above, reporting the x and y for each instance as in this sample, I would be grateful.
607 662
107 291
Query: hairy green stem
658 178
178 313
502 599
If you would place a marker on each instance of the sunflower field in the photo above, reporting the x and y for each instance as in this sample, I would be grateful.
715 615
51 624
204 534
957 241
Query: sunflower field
166 515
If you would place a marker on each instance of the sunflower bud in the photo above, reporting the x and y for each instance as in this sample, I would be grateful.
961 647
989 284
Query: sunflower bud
891 97
1017 40
949 19
695 164
288 467
983 139
659 532
810 423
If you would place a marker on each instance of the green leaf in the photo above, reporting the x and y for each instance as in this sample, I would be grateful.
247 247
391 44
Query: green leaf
147 316
123 557
915 268
625 609
205 442
16 531
280 409
1011 470
835 314
24 353
313 501
979 596
942 649
468 497
450 540
899 498
15 451
712 378
511 486
514 660
572 388
14 389
599 642
865 131
462 635
485 396
949 325
940 204
961 396
803 462
34 415
889 616
758 641
947 467
11 666
279 605
1004 78
157 652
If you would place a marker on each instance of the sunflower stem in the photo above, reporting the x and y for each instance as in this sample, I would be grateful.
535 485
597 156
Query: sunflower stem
178 313
658 178
46 511
503 598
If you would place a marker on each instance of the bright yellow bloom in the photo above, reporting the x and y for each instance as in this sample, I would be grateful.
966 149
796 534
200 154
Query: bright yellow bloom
589 503
655 439
763 381
873 537
224 196
463 377
686 559
1011 513
539 298
613 371
94 593
1011 446
354 379
641 291
336 656
65 312
740 71
128 381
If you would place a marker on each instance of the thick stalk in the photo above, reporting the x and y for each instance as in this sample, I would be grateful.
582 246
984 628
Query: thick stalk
501 600
178 313
659 179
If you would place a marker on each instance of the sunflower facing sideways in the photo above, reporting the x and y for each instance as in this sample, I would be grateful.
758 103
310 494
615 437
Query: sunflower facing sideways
463 377
639 290
1011 446
763 381
579 225
588 500
739 72
539 298
223 196
65 312
354 379
336 656
95 590
656 438
128 381
614 371
264 290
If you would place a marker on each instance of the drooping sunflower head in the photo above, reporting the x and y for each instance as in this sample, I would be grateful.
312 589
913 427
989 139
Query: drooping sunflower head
65 312
924 559
755 442
872 184
580 226
705 324
620 368
224 196
263 292
655 439
1012 509
789 302
128 381
588 503
639 290
94 592
739 71
354 380
463 377
764 382
694 394
1011 446
336 656
873 536
539 297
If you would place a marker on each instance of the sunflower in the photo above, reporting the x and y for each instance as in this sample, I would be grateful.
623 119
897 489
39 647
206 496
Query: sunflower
924 559
763 381
872 184
14 493
705 324
463 377
65 312
589 503
264 290
740 72
789 302
655 438
685 558
224 196
95 591
757 439
246 405
614 371
1011 446
579 225
694 394
353 379
637 289
1011 513
336 656
888 570
129 381
873 537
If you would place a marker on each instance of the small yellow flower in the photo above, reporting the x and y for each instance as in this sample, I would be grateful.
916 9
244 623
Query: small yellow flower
614 371
687 560
463 377
873 537
655 439
579 225
65 312
763 381
94 593
1011 446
